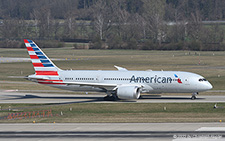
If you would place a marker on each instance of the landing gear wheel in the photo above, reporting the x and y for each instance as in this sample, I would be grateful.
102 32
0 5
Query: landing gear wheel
193 97
110 98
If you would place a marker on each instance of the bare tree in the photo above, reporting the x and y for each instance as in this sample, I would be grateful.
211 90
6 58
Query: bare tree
99 11
213 35
11 28
153 14
70 25
56 29
42 18
176 22
194 25
218 10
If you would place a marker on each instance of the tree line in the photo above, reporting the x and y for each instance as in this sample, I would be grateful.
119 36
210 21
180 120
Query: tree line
115 24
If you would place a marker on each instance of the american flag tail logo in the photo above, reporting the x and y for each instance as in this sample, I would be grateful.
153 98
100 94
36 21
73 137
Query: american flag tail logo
42 64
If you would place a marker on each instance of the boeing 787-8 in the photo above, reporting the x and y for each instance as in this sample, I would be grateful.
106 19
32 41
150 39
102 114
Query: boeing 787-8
120 84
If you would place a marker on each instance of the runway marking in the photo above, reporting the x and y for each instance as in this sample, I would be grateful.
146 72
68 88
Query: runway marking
199 136
199 139
211 129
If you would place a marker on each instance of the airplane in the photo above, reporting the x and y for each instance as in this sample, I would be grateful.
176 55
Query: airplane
120 84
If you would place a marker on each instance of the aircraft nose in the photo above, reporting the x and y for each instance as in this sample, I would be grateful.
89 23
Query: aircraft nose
205 86
209 86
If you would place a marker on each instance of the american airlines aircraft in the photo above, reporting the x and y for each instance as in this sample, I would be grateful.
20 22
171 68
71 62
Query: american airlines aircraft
120 84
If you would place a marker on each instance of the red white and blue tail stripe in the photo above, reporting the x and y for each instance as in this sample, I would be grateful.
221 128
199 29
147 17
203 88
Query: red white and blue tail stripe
42 64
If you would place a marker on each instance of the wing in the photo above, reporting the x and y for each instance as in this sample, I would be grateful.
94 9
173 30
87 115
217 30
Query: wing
104 86
120 68
99 85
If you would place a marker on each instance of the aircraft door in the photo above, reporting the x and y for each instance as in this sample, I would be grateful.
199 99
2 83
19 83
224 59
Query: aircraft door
98 79
186 81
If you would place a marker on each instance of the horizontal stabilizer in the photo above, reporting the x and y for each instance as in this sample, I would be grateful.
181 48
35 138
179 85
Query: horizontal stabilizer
37 77
120 68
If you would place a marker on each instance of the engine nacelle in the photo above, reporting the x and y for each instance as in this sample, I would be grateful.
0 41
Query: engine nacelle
128 92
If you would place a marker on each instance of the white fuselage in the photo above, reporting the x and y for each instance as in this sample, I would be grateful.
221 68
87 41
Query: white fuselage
153 81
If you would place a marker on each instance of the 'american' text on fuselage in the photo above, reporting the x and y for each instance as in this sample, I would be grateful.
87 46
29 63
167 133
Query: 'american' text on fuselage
155 79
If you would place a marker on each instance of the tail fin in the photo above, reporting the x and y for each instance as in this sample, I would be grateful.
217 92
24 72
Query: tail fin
42 64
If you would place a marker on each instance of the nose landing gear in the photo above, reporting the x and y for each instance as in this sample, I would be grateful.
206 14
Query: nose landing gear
193 97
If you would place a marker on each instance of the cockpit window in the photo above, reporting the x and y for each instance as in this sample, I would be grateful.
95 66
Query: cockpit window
202 79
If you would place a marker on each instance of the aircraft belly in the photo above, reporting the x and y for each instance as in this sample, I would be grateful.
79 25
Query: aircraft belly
180 88
172 88
78 88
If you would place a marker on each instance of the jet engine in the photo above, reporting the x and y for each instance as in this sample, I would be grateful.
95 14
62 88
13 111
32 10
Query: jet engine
128 92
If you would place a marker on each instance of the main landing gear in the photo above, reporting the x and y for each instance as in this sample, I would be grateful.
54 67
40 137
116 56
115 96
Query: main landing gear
111 96
193 97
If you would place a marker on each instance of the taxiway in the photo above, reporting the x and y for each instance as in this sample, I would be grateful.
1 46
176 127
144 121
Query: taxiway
14 96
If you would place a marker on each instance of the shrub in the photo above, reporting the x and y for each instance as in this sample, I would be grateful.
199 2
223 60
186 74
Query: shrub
148 45
115 42
49 43
194 45
132 44
11 44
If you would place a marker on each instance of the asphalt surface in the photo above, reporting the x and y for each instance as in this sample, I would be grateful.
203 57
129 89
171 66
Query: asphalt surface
15 96
114 131
12 59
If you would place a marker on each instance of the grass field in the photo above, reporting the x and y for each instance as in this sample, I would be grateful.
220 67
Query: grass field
121 112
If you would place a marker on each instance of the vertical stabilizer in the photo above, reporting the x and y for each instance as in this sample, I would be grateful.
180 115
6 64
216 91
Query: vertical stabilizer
42 64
